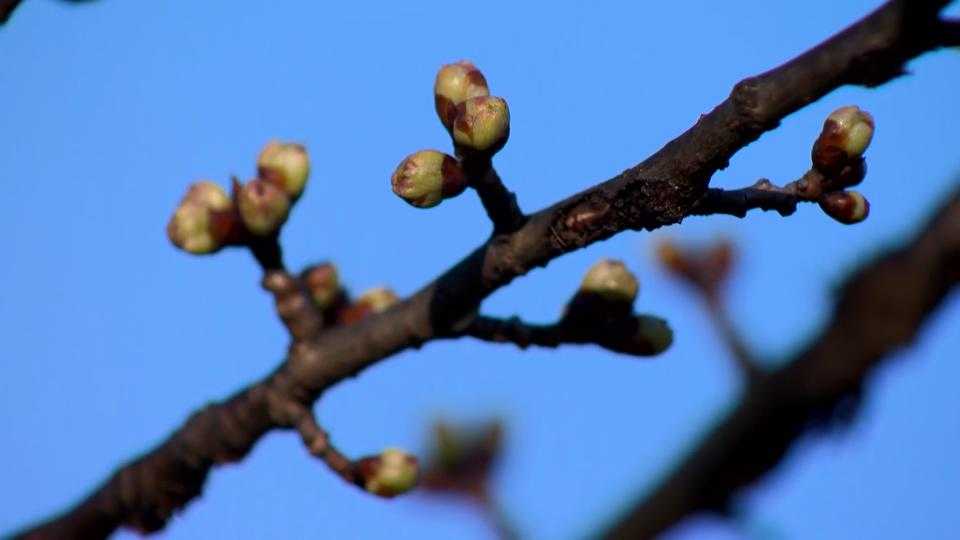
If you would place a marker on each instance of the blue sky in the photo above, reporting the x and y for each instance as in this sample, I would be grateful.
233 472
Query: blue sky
112 337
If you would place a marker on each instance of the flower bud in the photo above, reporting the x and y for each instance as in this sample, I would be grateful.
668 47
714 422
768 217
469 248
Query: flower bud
286 165
611 280
392 473
323 283
482 124
194 226
208 194
264 207
455 84
425 178
378 299
846 135
655 333
847 207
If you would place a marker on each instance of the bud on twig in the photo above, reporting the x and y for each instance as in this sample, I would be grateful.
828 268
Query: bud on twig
286 165
482 124
375 300
426 177
323 283
392 473
455 84
264 207
194 225
611 280
655 333
846 135
847 207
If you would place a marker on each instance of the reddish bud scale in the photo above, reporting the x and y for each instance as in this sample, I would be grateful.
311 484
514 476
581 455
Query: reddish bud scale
482 125
847 207
323 283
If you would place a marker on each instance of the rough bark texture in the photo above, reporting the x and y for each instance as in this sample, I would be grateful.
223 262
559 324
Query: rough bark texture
661 190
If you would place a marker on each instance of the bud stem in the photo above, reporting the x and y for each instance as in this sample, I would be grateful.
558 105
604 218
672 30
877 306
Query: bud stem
498 201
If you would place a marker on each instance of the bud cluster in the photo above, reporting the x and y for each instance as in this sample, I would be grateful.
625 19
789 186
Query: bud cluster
838 164
479 125
207 219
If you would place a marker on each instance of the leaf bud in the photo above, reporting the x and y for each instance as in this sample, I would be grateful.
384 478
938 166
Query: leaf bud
847 207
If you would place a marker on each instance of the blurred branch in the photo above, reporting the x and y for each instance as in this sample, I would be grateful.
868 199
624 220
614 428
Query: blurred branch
6 9
880 309
661 190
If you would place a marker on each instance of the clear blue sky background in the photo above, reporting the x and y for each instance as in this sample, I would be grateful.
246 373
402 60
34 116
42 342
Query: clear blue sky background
111 337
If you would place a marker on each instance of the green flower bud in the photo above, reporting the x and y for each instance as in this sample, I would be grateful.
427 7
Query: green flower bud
286 165
378 299
455 84
846 134
611 280
194 226
392 473
847 207
263 207
482 124
425 178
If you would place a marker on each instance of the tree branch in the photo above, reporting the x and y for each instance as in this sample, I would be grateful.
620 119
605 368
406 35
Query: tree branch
635 335
659 191
879 310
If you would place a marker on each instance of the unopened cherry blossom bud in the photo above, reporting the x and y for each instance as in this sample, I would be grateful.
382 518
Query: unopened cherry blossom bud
392 473
847 207
378 299
482 125
286 165
846 134
195 224
455 84
427 177
263 206
611 280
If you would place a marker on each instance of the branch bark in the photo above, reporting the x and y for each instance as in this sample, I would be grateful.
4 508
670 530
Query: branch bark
661 190
879 310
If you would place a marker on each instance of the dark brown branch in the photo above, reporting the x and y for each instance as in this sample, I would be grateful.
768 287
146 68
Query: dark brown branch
738 202
659 191
294 306
879 310
6 9
499 202
630 335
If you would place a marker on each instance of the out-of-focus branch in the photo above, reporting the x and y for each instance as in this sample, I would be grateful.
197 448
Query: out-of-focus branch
879 310
6 9
661 190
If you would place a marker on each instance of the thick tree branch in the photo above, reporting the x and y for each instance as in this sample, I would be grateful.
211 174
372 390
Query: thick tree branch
879 310
659 191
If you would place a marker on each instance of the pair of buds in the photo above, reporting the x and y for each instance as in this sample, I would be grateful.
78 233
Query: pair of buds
479 125
838 163
207 219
